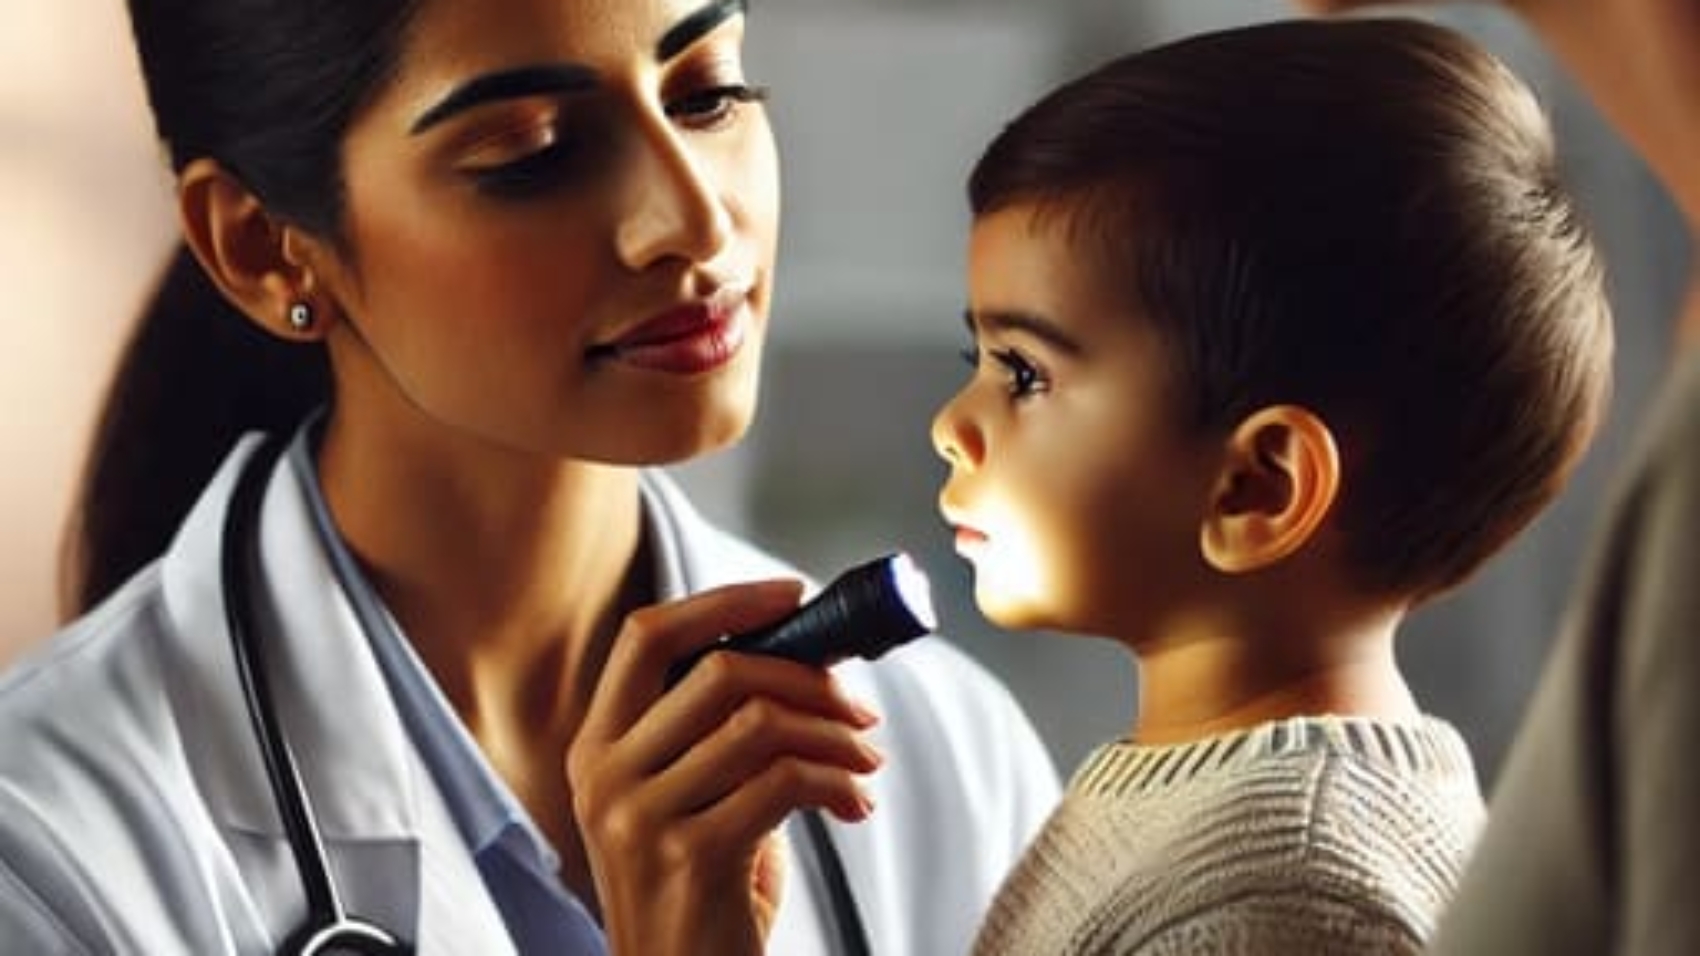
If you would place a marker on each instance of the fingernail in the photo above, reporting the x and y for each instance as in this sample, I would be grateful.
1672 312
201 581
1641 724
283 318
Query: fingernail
861 807
864 715
864 805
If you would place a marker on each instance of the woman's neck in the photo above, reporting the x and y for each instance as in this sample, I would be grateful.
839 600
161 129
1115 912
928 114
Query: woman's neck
508 574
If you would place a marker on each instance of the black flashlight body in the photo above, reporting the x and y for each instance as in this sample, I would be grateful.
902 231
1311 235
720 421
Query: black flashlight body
864 612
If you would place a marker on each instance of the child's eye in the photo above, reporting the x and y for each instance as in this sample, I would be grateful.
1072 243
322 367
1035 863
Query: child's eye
713 107
1024 378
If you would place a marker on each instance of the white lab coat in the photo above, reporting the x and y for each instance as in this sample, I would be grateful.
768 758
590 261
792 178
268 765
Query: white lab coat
135 816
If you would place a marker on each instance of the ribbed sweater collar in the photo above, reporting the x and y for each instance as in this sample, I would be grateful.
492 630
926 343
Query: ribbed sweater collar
1421 748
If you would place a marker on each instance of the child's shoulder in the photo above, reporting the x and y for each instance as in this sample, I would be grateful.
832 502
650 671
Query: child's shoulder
1337 826
1363 795
1396 807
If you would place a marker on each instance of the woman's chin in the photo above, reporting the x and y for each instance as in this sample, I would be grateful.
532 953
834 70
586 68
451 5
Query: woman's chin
722 430
716 427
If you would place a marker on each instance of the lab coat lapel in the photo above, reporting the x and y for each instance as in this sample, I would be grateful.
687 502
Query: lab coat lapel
388 835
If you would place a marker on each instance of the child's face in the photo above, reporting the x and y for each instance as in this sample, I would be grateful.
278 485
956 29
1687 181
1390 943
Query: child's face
1072 490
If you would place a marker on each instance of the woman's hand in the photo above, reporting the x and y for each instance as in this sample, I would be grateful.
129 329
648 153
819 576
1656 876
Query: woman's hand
678 793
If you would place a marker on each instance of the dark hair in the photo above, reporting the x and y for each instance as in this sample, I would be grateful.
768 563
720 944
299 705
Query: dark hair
1363 217
268 89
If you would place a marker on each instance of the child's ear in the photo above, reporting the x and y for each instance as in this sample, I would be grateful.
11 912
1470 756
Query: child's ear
261 265
1280 475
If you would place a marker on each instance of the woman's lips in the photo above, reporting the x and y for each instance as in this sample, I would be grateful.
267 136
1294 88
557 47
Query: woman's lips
684 341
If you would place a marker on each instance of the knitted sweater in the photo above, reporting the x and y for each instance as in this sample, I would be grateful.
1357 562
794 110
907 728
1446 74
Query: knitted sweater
1308 836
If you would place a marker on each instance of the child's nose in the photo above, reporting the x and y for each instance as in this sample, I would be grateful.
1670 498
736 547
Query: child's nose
954 438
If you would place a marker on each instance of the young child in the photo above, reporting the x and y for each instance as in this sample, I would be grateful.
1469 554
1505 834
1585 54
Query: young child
1279 332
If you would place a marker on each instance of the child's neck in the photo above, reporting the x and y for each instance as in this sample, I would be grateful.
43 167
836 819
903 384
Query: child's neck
1207 687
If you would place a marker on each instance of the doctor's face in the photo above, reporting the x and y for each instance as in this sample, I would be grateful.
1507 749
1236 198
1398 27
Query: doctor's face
561 219
1073 491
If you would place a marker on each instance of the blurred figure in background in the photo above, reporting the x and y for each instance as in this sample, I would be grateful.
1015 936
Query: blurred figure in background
1593 844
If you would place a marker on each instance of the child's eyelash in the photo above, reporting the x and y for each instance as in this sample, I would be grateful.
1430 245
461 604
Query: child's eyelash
1024 377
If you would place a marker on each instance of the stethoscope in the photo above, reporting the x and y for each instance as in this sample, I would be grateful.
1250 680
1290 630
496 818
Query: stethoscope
328 928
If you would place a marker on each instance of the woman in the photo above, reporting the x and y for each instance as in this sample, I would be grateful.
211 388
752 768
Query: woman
518 253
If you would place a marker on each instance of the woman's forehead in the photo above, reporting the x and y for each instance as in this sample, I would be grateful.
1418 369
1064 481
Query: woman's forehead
454 43
648 29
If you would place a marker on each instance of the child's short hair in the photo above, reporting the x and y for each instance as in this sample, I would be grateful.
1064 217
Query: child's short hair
1363 217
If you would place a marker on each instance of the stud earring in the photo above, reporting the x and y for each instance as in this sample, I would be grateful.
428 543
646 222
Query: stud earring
300 317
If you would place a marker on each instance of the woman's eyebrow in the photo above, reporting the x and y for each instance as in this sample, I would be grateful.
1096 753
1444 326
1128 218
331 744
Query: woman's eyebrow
567 77
696 26
506 85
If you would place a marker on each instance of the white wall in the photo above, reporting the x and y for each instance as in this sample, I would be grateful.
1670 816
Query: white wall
84 216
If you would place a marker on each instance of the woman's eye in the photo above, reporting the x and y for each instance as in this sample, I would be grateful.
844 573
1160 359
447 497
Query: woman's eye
714 106
529 175
1022 377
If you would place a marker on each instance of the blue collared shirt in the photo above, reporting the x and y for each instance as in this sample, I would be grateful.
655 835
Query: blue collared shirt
520 868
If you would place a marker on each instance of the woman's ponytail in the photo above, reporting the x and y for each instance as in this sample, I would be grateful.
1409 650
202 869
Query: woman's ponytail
194 376
267 88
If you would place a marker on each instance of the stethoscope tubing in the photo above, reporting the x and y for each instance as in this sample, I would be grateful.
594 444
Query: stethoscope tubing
328 925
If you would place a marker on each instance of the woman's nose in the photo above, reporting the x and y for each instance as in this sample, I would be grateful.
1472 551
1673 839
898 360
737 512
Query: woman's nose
673 208
954 438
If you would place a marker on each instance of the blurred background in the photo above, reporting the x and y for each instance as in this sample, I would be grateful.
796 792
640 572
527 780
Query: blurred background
880 107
